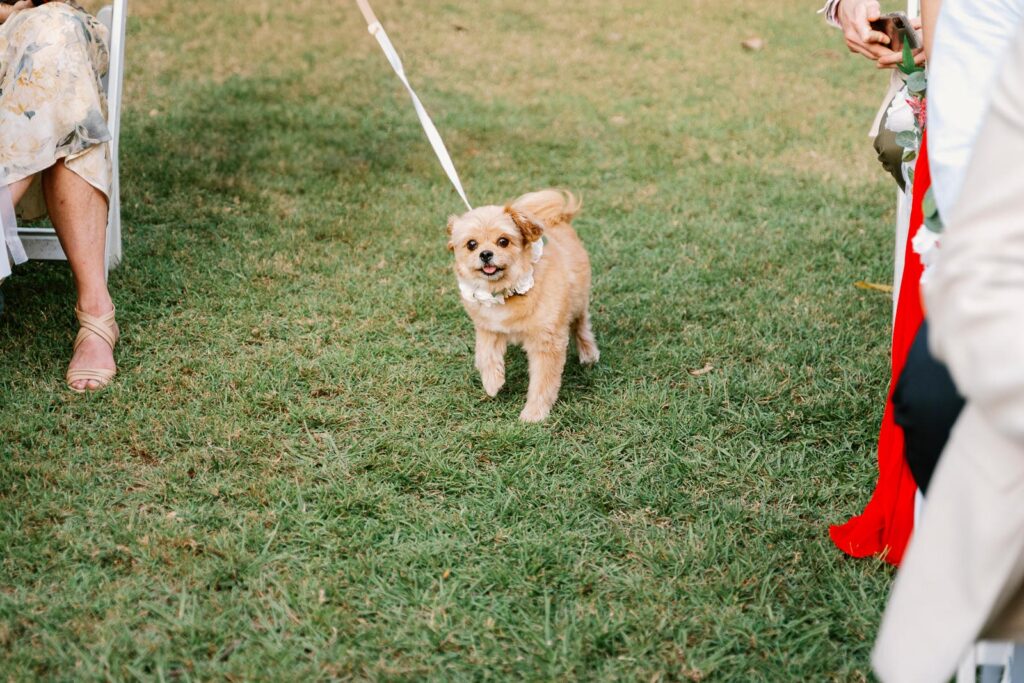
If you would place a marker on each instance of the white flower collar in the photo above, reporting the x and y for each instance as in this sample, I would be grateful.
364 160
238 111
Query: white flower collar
479 294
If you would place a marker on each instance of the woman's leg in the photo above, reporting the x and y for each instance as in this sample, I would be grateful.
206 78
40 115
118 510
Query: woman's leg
79 214
18 189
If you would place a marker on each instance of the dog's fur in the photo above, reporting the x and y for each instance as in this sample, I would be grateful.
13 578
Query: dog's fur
540 319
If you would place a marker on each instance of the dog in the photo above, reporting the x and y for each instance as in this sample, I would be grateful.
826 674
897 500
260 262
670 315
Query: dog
524 277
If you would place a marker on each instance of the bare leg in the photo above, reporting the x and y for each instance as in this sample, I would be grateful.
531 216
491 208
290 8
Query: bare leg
79 214
586 345
19 189
490 360
547 360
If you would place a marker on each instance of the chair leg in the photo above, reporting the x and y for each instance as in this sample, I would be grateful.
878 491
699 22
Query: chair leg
990 673
967 672
1016 668
992 662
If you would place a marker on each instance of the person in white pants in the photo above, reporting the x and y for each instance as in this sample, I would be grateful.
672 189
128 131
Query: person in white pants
963 576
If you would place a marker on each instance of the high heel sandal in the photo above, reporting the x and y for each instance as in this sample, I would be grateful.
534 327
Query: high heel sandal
104 327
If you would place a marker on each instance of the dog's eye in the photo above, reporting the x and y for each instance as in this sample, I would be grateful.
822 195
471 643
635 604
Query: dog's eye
503 242
471 245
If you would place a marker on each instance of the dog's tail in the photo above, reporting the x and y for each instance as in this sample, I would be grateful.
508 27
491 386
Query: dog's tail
551 206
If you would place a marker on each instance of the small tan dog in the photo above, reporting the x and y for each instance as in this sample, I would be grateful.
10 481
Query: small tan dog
525 279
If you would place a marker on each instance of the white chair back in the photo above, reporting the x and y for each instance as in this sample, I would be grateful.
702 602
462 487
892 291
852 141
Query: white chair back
115 17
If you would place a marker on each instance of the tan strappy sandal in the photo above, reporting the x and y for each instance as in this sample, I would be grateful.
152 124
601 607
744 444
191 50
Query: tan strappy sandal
104 327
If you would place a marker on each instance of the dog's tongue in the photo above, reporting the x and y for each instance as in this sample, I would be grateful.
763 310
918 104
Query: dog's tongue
490 270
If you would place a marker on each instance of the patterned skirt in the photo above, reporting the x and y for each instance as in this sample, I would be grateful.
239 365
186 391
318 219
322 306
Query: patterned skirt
52 105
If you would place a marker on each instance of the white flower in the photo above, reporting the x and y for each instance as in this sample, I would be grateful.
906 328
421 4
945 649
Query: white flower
926 245
536 250
476 294
900 116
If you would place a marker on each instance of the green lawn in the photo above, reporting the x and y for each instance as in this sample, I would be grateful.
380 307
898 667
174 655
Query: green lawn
297 475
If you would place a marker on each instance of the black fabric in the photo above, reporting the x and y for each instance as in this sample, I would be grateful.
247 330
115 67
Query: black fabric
926 404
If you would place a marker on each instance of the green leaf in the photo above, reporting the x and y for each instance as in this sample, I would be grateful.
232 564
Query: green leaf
917 82
907 139
928 205
934 223
932 219
908 66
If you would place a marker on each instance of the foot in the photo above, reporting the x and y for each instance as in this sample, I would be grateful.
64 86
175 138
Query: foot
588 352
92 353
534 413
586 344
493 380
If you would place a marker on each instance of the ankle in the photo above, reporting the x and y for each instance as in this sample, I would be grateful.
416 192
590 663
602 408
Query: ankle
100 304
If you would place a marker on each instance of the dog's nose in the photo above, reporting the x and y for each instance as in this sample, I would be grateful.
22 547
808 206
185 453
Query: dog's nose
486 256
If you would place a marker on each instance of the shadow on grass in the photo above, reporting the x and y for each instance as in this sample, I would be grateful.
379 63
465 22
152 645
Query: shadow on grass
193 180
234 168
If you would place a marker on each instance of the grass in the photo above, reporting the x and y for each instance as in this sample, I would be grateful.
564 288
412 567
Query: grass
297 475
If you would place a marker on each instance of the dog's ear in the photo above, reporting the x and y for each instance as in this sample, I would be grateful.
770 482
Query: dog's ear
531 228
451 224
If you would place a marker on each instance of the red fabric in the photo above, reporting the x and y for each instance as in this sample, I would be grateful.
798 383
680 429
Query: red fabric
885 525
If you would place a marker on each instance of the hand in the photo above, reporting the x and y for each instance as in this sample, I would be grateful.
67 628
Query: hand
7 11
896 58
891 61
855 17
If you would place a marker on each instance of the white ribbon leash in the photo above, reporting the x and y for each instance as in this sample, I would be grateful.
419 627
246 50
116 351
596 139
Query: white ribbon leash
377 30
9 229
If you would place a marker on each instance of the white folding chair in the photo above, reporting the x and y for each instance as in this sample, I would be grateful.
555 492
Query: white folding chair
42 243
992 662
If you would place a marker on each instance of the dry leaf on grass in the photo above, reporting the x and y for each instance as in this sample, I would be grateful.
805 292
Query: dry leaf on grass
697 372
873 286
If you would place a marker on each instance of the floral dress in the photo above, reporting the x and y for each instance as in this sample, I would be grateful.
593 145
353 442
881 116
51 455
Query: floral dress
52 103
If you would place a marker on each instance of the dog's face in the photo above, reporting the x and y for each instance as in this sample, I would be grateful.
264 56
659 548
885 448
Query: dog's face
491 245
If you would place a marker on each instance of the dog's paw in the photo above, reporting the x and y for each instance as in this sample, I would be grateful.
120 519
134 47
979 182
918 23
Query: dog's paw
534 413
589 354
493 382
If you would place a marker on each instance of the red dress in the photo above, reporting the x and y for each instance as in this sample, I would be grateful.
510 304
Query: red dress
885 525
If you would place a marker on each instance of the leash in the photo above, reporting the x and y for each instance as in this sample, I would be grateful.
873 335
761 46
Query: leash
9 234
377 31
